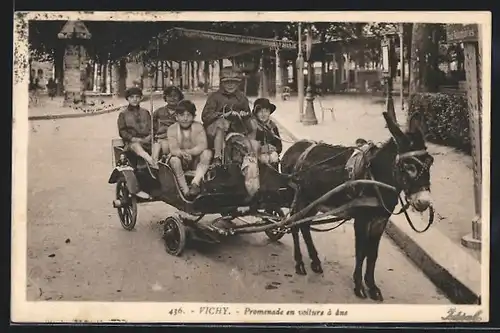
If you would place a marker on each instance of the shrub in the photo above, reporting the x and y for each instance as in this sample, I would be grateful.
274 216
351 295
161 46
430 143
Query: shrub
446 118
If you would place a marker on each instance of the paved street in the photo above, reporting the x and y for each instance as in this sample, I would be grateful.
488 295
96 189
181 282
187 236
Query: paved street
77 249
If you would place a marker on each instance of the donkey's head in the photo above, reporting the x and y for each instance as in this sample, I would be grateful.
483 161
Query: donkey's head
413 162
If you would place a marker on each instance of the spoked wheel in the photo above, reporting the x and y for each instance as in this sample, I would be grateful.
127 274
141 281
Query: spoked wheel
174 235
128 208
274 234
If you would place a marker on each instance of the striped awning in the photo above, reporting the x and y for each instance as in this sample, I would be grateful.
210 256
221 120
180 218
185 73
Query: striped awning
181 44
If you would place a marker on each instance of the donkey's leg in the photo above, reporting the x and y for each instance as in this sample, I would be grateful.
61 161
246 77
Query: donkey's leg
311 249
377 227
361 238
299 264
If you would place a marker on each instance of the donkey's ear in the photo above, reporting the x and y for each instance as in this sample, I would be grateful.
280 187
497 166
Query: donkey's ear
416 124
396 132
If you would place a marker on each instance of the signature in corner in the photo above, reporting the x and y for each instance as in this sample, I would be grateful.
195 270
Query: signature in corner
455 315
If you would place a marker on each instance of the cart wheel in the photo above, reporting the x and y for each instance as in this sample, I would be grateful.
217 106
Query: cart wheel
273 234
174 235
128 210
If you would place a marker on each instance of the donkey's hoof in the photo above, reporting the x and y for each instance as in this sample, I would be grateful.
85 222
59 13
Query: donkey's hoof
375 294
316 267
300 269
360 291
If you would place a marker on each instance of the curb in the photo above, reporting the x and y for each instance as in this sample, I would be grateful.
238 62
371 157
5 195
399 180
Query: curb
79 115
74 115
450 268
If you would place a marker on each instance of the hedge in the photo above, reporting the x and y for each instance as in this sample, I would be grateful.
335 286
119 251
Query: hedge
446 118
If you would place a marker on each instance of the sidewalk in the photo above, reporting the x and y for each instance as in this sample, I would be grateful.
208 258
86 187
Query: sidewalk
451 175
48 108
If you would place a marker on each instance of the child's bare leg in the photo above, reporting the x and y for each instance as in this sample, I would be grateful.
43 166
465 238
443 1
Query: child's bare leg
165 149
218 142
155 153
137 148
202 167
176 164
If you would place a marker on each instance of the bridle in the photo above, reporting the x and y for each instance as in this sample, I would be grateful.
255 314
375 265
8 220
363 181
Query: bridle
402 168
401 175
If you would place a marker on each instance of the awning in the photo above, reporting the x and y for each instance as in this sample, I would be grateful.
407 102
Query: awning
180 44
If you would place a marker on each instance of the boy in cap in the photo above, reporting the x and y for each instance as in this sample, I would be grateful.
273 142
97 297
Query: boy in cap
227 98
267 133
187 141
163 118
134 126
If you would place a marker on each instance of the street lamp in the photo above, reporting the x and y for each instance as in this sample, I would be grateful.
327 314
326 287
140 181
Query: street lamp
300 75
309 116
387 53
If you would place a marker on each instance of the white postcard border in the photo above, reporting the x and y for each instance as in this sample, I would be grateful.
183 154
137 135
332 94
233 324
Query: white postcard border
114 312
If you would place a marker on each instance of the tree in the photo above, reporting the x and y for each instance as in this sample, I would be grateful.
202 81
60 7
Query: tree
424 61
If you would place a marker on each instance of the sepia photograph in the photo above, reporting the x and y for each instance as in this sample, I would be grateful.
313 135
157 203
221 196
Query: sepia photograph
244 167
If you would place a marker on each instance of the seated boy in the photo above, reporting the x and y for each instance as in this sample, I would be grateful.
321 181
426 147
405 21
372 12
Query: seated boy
187 142
134 126
227 98
163 118
267 133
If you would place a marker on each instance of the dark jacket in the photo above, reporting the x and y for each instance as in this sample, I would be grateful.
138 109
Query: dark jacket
265 135
162 119
214 106
134 123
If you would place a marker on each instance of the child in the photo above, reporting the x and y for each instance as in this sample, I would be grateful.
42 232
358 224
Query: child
188 145
164 117
267 133
134 126
226 98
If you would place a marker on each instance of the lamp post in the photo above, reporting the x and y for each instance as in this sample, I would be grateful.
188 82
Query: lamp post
402 62
387 55
300 75
309 116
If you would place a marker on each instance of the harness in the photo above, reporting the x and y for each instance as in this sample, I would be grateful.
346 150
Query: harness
361 168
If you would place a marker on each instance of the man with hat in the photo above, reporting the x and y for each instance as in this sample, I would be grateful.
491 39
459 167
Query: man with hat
227 98
134 126
163 118
187 142
267 133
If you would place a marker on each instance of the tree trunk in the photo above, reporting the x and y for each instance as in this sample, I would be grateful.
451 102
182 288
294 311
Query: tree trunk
407 42
198 67
423 61
104 74
206 75
59 69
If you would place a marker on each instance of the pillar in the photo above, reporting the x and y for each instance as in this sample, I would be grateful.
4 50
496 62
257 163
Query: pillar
263 91
95 80
174 69
133 73
115 79
206 76
75 58
196 70
278 83
472 55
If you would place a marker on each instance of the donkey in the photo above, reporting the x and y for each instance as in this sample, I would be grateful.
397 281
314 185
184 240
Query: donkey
402 162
